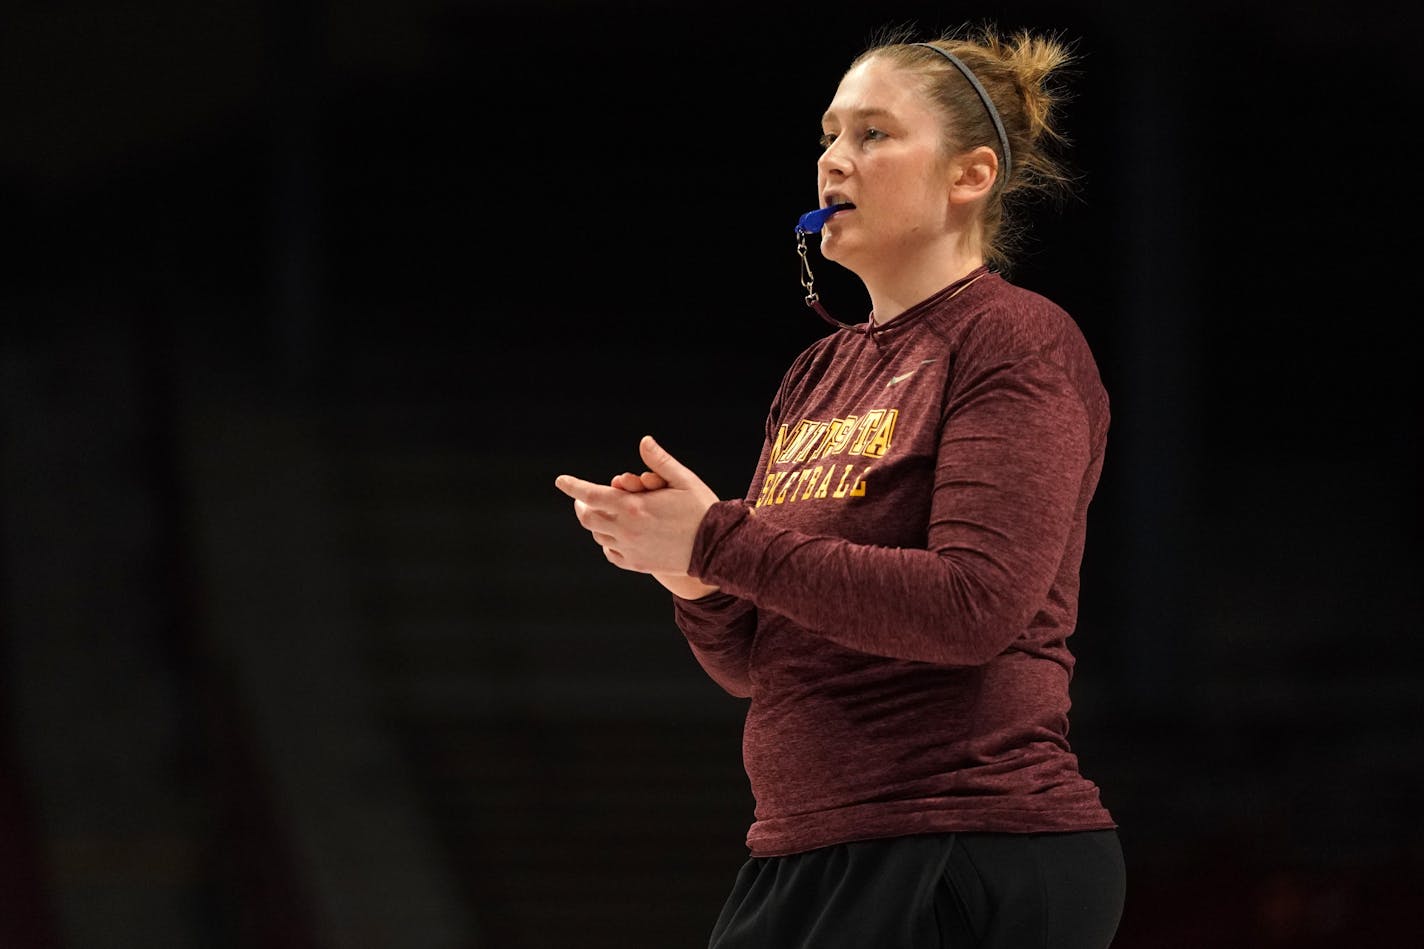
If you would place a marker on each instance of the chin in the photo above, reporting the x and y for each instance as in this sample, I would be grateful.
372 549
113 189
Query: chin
836 249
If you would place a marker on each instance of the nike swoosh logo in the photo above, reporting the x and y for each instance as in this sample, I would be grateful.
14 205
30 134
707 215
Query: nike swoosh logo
896 380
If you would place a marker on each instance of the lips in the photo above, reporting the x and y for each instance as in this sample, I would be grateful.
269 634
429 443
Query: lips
835 208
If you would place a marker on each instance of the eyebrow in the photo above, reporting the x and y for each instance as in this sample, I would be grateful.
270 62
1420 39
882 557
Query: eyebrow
859 114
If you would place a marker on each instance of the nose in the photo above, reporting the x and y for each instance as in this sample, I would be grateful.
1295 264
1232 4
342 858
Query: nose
833 161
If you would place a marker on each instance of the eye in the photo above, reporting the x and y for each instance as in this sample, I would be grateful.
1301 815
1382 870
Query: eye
869 135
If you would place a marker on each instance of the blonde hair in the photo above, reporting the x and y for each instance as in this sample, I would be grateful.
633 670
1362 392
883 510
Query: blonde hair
1020 73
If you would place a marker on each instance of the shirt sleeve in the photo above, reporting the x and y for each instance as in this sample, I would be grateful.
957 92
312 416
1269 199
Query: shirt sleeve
720 628
1013 451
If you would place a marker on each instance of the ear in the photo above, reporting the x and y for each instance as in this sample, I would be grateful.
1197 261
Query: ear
972 175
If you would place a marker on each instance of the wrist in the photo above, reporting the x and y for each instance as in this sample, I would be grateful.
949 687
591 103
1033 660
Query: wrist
685 587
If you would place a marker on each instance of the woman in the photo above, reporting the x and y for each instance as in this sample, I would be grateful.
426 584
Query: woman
896 591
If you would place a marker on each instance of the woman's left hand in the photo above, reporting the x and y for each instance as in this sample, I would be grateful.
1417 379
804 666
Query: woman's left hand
649 531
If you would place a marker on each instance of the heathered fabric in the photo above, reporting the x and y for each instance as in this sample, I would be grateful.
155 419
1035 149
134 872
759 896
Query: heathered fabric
898 585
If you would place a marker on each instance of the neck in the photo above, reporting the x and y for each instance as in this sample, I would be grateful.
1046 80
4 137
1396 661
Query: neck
894 290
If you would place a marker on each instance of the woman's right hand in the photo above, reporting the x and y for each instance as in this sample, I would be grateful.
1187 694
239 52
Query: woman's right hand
689 588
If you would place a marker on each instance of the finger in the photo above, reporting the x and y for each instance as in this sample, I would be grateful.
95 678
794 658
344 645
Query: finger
592 517
660 462
602 497
629 482
652 481
620 560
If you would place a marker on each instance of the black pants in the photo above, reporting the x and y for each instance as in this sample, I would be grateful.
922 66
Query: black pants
932 891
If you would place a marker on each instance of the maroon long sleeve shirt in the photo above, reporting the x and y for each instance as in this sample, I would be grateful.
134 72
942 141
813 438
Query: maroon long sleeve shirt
900 582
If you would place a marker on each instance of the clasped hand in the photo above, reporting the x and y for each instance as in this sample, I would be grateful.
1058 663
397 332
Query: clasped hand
645 523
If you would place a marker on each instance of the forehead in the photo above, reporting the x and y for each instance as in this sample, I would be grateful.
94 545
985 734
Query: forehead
877 89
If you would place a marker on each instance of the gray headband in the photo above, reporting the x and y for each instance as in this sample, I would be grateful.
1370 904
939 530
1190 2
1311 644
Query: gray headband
988 103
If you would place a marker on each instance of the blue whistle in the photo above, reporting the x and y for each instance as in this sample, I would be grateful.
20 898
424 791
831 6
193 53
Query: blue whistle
812 221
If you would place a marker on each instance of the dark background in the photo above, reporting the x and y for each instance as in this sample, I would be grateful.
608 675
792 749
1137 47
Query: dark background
305 305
